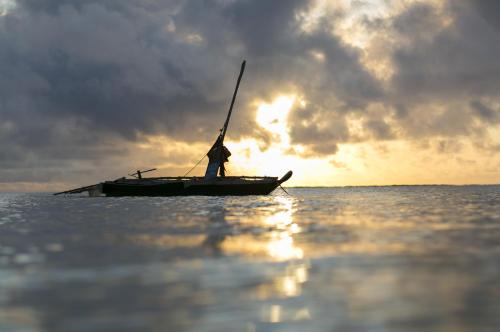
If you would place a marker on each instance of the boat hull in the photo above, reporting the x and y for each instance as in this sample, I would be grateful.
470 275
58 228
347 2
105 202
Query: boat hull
231 189
126 189
184 186
189 188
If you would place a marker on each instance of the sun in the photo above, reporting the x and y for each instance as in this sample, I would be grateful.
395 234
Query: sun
276 159
249 157
274 118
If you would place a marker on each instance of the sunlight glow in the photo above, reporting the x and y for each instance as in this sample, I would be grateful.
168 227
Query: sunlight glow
276 159
280 155
274 117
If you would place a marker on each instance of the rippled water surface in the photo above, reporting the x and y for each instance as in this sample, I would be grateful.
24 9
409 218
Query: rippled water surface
333 259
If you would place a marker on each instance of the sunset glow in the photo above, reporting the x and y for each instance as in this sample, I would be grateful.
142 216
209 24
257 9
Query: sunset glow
274 118
276 159
354 164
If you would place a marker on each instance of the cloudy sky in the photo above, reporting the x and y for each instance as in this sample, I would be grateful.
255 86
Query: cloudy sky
357 92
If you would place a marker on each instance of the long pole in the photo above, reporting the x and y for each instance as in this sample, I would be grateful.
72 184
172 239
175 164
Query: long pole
224 129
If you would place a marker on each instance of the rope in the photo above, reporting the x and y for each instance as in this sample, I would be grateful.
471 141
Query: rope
284 190
199 161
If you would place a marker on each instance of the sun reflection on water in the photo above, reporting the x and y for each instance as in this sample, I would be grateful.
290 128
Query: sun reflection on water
264 234
290 283
281 246
270 231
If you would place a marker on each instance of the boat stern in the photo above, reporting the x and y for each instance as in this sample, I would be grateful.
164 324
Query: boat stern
285 177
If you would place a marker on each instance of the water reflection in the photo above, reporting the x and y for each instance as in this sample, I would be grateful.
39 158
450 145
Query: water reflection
264 232
281 246
268 230
282 314
392 259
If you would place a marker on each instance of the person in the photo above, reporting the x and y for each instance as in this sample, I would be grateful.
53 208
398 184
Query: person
214 158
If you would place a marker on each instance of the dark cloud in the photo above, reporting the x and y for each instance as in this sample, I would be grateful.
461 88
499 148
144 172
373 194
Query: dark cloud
488 9
448 146
380 129
318 129
484 112
458 60
266 27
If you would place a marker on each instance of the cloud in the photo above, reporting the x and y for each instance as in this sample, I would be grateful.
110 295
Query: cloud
79 80
459 60
484 112
120 69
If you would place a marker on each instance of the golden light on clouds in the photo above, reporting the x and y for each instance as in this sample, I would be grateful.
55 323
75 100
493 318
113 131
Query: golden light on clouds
274 118
276 159
376 44
370 162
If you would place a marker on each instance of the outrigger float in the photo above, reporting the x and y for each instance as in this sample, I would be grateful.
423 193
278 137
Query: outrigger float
214 183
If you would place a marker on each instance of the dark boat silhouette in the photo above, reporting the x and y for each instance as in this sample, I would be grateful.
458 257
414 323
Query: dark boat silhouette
214 183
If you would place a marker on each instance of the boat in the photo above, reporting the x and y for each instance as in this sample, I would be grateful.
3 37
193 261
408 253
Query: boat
214 183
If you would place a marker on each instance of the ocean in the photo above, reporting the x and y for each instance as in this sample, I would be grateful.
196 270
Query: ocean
402 258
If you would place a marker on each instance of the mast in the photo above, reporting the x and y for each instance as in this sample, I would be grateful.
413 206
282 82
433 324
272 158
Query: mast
224 129
217 161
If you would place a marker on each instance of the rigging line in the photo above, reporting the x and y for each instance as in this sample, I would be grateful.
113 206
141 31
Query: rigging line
284 190
199 161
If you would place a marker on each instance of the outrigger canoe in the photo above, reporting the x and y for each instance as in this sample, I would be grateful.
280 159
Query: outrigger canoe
214 183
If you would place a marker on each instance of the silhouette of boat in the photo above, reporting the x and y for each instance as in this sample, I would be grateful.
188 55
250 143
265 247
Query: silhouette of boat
214 183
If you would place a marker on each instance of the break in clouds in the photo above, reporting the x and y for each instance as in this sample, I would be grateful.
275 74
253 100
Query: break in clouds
78 79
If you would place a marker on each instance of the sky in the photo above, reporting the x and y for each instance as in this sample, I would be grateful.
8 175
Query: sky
348 92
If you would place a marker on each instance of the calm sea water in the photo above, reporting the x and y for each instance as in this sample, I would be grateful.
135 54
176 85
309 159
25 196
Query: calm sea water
333 259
